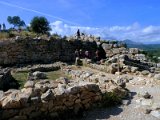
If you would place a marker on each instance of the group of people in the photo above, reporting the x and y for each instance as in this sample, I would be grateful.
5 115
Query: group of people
79 54
82 54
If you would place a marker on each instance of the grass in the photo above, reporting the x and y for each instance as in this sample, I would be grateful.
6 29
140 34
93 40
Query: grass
21 77
53 75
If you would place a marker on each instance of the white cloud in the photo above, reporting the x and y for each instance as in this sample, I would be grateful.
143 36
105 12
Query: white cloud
134 32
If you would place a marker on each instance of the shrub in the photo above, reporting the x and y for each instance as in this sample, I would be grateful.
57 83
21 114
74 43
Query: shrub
40 25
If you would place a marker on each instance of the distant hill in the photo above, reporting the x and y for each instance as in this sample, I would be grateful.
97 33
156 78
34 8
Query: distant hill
132 44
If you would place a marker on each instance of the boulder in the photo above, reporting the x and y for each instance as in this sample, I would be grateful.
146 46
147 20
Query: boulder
134 69
48 95
39 75
157 76
121 82
114 67
146 95
11 101
61 88
145 72
155 113
63 80
156 106
29 84
147 102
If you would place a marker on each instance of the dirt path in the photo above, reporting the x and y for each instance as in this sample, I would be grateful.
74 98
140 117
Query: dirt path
133 111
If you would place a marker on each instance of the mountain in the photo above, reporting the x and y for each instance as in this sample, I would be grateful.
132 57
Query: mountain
132 44
127 41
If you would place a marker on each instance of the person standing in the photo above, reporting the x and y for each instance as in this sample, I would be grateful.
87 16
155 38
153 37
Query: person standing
78 33
4 26
87 54
81 54
77 57
0 27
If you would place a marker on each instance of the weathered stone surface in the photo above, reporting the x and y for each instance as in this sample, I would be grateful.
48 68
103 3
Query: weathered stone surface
156 113
145 72
42 51
29 84
157 76
147 102
48 95
11 101
134 69
114 68
146 95
39 75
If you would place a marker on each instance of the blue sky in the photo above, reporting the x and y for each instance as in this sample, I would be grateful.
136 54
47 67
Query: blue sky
138 20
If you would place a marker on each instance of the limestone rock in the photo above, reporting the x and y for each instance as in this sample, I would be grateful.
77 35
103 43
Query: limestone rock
39 75
145 72
63 80
62 88
29 84
14 100
147 102
134 69
157 76
156 106
155 113
114 67
48 95
146 95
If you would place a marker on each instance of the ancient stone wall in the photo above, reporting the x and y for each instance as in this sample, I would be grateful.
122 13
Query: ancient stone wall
47 100
58 99
29 50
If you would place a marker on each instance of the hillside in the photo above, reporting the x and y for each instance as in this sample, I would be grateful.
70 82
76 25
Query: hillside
132 44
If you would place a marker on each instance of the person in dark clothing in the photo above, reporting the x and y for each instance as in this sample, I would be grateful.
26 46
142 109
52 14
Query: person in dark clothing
98 57
81 54
0 27
4 26
78 33
87 54
76 53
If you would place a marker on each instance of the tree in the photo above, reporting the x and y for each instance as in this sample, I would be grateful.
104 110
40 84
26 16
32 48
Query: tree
16 21
40 25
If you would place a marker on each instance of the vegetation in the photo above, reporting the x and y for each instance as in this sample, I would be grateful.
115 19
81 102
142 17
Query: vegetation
153 55
21 77
40 25
16 21
110 99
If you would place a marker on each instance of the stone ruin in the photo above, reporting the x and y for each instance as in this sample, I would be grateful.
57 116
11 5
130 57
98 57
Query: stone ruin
28 50
59 99
63 98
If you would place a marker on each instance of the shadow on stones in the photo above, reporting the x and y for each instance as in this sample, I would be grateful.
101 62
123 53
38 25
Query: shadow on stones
105 113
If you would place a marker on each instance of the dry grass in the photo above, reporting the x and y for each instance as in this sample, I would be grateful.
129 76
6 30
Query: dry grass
21 77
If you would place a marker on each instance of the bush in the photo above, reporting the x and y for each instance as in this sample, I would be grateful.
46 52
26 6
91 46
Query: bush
40 25
110 99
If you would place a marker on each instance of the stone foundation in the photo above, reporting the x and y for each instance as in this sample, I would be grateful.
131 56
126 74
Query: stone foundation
58 99
29 50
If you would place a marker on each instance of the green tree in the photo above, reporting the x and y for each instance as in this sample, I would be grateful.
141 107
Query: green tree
40 25
16 21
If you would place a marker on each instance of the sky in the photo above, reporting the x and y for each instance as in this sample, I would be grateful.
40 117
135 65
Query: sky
137 20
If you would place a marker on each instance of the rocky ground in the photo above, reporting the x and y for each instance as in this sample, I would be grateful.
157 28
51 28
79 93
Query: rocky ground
136 107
